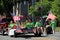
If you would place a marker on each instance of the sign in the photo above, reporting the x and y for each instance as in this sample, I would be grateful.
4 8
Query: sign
51 16
16 18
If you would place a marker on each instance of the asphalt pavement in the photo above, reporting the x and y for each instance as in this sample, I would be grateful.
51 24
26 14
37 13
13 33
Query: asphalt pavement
55 36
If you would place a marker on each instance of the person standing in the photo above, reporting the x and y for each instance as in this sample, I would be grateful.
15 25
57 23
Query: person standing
53 25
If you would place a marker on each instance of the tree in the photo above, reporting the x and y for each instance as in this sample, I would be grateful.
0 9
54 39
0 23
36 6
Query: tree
1 6
6 6
44 8
56 8
47 5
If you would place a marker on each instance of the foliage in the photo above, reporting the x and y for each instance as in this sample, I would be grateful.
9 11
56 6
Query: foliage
1 6
5 6
56 8
47 5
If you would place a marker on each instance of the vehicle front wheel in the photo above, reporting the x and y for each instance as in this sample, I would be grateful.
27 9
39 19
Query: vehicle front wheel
15 34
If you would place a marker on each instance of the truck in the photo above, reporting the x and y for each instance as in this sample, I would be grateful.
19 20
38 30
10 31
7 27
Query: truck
36 31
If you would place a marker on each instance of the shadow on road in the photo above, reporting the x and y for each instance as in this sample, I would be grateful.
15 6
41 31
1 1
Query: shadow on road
28 36
4 34
24 36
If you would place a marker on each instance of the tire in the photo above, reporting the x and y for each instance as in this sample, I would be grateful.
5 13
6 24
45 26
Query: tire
15 34
49 30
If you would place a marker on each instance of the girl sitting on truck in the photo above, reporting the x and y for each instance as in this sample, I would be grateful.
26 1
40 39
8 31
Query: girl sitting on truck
10 26
29 24
38 25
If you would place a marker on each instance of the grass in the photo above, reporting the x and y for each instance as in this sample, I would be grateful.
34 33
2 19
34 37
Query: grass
57 29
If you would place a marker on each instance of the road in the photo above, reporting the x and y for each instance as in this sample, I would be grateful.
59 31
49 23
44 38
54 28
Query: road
55 36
